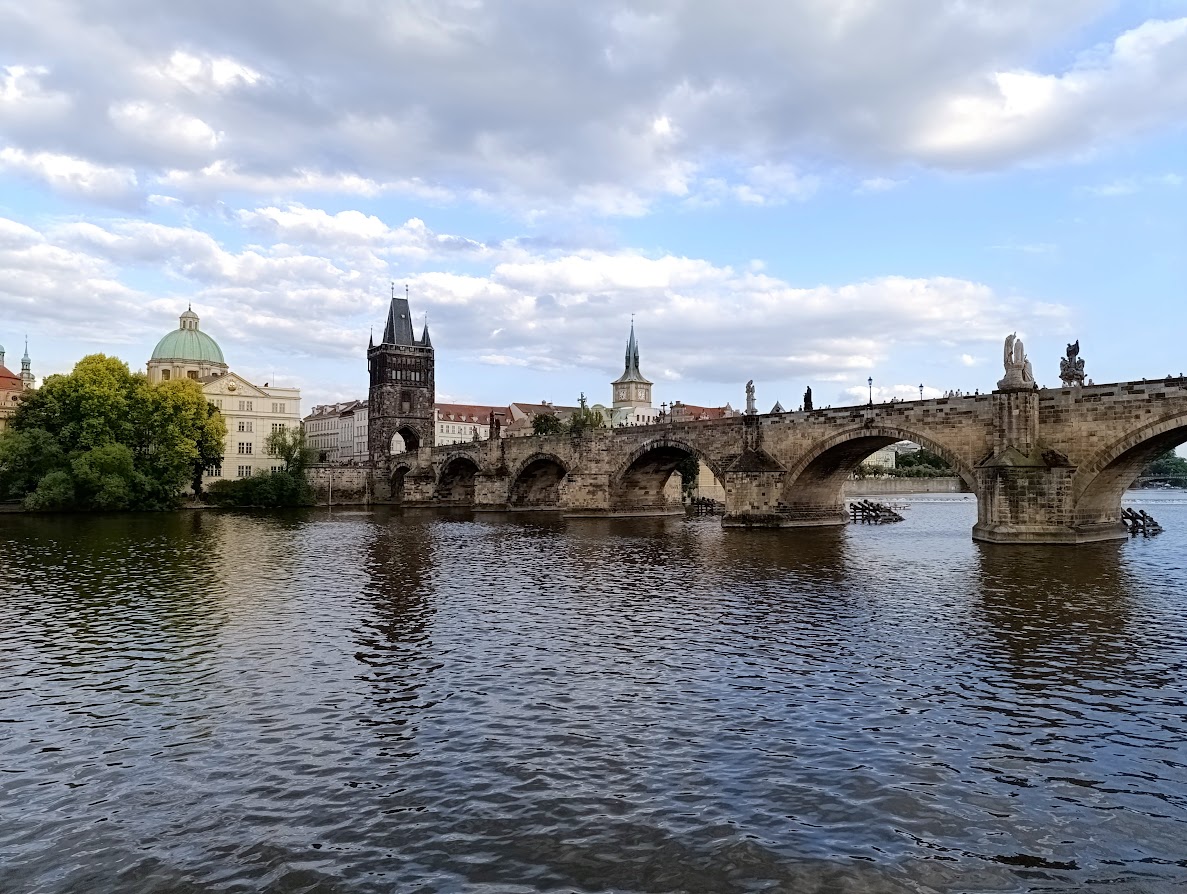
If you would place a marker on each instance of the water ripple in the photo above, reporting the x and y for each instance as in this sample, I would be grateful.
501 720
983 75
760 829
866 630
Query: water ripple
417 701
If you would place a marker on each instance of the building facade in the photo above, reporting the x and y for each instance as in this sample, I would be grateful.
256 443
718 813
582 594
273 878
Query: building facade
401 397
251 412
13 386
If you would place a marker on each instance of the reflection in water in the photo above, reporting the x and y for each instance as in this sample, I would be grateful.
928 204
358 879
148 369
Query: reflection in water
411 700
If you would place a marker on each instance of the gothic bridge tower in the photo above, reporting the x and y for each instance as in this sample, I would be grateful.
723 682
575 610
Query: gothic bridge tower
403 387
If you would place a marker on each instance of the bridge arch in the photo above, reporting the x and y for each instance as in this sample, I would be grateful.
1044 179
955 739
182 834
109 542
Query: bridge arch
456 479
397 481
536 482
640 483
812 485
1099 484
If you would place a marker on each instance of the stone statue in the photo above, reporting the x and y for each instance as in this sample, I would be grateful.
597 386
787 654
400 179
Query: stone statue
1071 367
751 409
808 399
1019 376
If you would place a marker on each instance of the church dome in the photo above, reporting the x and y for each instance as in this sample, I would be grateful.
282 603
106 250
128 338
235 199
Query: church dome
188 343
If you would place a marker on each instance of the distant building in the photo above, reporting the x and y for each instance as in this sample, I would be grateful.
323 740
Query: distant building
251 412
886 458
13 387
682 412
461 423
522 414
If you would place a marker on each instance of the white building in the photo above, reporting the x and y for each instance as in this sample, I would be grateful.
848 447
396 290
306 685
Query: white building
251 412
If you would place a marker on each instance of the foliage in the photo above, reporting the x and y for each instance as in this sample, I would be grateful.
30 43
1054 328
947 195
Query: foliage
266 490
922 458
689 470
547 424
289 444
105 438
584 419
1167 464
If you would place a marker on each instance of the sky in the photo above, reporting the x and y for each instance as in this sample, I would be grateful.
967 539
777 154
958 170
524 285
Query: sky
797 192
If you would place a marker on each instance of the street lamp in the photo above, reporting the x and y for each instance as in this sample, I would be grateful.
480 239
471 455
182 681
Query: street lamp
870 382
921 391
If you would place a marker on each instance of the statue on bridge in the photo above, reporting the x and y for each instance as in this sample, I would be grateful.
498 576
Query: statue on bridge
751 409
1019 376
808 399
1071 367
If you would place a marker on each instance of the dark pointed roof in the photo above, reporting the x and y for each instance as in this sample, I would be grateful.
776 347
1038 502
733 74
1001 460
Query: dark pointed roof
631 370
398 330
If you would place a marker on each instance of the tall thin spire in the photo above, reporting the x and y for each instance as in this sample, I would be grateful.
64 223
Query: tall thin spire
398 330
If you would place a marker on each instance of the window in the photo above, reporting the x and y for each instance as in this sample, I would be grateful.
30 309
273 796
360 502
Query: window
245 405
164 375
218 403
245 448
245 471
244 426
278 408
214 471
193 374
278 468
278 426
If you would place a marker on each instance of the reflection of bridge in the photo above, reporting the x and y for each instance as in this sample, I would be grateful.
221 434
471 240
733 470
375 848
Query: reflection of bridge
1047 466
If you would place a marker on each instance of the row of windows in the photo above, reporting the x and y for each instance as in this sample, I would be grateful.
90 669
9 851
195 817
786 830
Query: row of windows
406 375
247 406
165 374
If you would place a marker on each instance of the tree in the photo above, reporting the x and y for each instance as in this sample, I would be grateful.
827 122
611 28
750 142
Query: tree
1168 465
546 424
290 445
689 470
922 458
104 437
584 419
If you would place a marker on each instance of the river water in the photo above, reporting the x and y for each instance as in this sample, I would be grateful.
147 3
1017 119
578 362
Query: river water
417 701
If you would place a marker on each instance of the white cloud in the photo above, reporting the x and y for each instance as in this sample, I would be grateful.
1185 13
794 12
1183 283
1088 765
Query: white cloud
539 310
74 176
626 108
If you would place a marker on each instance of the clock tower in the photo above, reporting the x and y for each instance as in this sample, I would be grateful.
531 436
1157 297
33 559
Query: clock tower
631 390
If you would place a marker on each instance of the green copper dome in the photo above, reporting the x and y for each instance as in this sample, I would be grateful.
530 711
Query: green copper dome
188 342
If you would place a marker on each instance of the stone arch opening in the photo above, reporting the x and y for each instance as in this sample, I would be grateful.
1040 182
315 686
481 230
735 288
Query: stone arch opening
456 481
538 483
397 484
649 482
1100 483
812 488
405 440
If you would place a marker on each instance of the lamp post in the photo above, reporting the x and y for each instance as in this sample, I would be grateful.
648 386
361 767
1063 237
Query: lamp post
870 382
921 391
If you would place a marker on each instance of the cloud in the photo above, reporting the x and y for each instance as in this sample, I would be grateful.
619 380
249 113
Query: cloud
314 284
580 106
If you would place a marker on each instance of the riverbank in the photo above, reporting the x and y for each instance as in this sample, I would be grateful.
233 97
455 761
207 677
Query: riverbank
878 487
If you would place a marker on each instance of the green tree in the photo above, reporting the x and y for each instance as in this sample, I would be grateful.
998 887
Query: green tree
104 437
584 419
290 445
1168 464
920 458
689 470
546 424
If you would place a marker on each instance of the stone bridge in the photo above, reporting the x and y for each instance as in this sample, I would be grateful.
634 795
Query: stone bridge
1046 466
